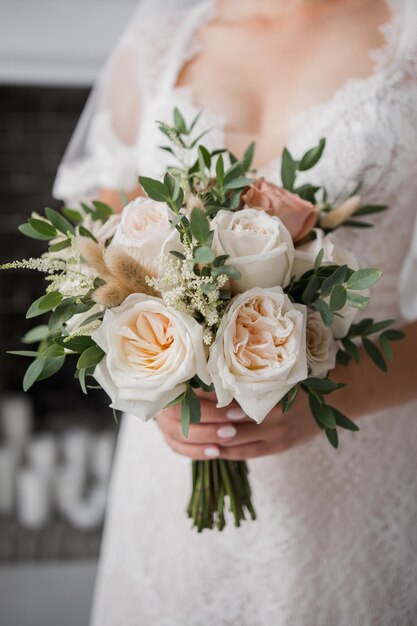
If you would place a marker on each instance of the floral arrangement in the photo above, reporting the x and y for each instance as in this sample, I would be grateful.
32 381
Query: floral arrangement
214 279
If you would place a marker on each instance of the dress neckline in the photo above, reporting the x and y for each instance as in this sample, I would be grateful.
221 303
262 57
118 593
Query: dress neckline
385 63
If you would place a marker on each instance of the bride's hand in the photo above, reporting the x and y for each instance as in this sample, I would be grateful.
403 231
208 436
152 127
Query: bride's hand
228 433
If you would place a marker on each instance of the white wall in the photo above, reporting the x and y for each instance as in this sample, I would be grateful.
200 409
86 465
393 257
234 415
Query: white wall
58 42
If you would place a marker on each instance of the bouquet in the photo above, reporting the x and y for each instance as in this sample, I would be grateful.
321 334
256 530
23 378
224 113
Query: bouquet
213 279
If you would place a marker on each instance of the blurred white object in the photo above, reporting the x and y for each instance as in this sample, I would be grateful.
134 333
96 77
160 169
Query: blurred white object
41 453
102 450
33 498
8 463
16 420
88 513
76 448
69 485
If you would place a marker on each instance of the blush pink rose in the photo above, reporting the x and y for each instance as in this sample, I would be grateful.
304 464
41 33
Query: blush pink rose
298 215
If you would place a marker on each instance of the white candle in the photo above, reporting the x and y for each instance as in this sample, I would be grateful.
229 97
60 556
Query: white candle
75 448
42 453
69 484
8 462
88 513
16 420
102 449
33 498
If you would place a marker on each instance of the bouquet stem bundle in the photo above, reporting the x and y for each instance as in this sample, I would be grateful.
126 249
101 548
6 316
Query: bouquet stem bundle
212 483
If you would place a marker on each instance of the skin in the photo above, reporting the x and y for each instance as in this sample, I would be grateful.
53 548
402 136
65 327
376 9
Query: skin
234 79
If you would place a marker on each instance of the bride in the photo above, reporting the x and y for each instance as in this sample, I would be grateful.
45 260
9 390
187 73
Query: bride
336 539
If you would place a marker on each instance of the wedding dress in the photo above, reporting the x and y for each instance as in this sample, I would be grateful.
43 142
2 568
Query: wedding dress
336 539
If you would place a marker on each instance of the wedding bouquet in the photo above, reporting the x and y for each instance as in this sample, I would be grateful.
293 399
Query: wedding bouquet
215 279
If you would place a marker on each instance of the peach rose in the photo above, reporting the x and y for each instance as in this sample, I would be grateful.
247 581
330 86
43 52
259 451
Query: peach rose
298 215
152 351
259 352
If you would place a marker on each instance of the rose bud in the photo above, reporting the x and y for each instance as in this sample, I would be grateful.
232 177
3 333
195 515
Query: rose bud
298 215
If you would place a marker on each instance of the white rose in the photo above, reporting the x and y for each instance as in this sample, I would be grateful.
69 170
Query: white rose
102 230
334 253
143 228
321 347
258 245
151 352
259 352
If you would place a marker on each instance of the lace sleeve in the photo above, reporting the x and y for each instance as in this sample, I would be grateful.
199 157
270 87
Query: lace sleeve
102 150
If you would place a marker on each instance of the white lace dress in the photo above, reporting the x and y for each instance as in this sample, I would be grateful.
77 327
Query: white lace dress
336 539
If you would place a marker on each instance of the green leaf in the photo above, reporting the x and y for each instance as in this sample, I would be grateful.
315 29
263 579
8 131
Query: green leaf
179 122
233 172
190 410
312 157
178 255
338 277
319 259
229 270
204 254
248 156
72 214
53 351
315 405
36 334
370 209
200 226
84 232
351 348
332 436
30 353
51 367
63 312
357 224
59 221
76 344
322 385
326 416
289 398
93 318
220 170
28 231
375 354
386 347
103 211
343 421
394 335
205 156
43 228
362 279
154 189
378 327
208 288
90 357
44 304
220 260
307 192
239 183
61 245
81 380
338 297
311 289
288 170
342 358
32 373
196 382
323 308
357 300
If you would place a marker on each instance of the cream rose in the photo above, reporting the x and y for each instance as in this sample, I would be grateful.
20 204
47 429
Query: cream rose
143 228
258 245
151 352
321 347
259 352
298 215
305 256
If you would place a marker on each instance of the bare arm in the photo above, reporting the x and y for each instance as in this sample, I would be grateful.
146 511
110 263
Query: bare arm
112 197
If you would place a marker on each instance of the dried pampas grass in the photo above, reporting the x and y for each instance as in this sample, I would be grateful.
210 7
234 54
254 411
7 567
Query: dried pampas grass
123 275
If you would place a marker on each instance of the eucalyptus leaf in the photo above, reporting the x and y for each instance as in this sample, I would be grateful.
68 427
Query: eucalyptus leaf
375 354
288 170
59 222
312 157
33 372
90 357
29 231
43 228
362 279
154 188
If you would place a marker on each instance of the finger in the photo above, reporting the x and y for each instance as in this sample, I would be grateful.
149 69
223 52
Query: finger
254 449
206 433
206 395
210 413
193 451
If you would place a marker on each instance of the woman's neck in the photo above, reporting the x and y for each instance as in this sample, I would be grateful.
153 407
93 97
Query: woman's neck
232 10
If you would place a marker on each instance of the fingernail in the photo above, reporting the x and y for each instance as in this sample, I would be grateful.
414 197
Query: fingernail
235 414
226 432
212 452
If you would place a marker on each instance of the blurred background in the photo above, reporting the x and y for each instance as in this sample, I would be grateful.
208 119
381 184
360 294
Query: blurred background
56 444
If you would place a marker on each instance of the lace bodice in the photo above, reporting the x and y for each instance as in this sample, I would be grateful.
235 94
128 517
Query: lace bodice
336 537
370 125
